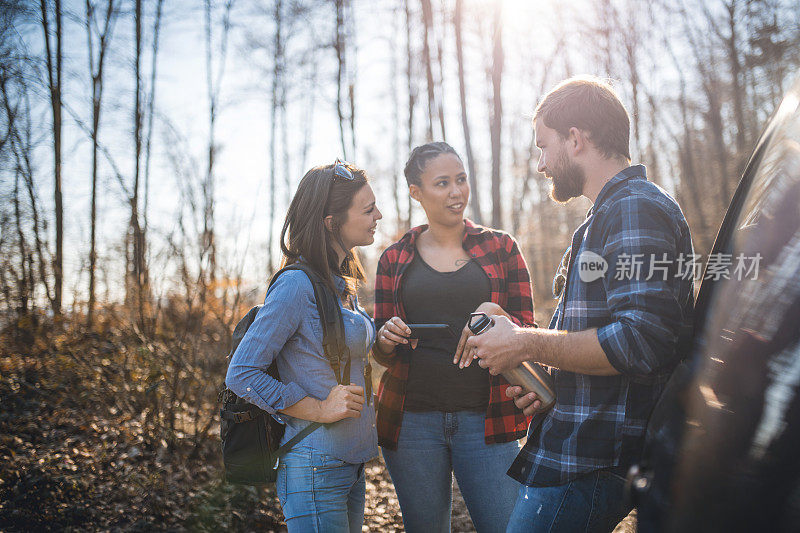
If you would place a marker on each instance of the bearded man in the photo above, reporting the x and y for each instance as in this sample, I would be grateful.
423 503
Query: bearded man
611 344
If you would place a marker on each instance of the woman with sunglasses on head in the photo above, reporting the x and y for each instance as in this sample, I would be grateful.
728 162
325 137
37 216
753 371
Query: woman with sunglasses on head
320 482
438 415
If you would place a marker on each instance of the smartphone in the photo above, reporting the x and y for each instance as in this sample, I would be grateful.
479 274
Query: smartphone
430 331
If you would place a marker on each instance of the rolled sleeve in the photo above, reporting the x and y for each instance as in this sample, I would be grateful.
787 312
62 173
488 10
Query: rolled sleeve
384 307
286 304
518 283
384 293
643 300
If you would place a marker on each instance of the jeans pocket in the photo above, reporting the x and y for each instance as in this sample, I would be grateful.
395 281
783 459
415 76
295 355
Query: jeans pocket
607 501
324 460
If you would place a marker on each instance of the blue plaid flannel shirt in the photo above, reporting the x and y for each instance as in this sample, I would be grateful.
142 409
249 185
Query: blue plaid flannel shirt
599 421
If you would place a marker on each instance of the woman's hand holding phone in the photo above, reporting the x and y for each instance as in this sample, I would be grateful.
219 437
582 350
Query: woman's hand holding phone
464 356
393 332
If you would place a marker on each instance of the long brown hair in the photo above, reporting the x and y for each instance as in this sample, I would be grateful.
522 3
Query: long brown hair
320 194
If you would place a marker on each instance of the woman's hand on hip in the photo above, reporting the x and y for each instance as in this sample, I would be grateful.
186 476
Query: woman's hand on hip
344 401
464 355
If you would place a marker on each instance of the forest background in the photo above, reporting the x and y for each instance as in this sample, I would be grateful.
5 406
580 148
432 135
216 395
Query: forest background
149 150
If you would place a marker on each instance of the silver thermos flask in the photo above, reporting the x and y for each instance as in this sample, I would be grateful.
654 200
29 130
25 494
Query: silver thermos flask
529 376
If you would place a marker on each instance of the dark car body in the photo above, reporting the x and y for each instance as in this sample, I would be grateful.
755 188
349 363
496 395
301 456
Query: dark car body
723 449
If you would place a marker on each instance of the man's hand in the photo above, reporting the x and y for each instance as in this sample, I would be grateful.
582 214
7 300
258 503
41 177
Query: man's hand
499 348
464 356
529 403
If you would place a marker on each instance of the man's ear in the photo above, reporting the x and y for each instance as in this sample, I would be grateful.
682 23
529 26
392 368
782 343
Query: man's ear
414 192
328 221
576 141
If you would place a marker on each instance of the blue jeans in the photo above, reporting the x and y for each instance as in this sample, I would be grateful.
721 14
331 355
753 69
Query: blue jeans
593 502
434 445
319 493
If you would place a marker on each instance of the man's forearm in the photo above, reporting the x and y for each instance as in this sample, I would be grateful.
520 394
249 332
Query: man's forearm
577 351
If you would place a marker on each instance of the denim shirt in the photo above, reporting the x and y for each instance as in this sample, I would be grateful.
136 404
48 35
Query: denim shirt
288 328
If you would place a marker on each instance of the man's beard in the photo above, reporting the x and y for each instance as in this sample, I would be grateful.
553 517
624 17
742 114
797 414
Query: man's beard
568 180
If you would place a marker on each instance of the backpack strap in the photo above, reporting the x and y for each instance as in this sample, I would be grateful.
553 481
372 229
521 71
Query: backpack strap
333 341
330 313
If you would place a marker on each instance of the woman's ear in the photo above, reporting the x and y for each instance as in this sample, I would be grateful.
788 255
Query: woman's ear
328 221
414 191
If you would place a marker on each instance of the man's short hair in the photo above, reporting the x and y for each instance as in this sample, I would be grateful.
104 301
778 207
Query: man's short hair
591 105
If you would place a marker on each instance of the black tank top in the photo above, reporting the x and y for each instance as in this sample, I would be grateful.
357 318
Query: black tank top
429 296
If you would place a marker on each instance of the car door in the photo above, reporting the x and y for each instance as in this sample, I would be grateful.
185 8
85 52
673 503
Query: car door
722 452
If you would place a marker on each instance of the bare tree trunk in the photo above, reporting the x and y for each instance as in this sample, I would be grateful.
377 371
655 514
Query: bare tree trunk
462 92
412 97
738 87
351 98
496 124
689 173
686 155
632 43
427 22
22 148
395 72
138 269
96 74
712 88
277 81
351 85
151 102
54 66
287 179
519 205
339 47
208 254
308 123
440 80
22 284
207 240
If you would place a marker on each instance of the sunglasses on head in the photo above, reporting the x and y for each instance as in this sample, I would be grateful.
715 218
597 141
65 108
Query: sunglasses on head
340 170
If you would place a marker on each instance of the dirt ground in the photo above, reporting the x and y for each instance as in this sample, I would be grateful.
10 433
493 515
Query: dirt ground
69 463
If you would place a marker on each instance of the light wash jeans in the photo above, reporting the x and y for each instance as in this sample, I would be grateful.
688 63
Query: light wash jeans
319 493
432 447
591 503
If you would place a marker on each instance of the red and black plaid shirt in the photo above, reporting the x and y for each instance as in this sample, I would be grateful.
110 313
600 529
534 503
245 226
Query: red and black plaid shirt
510 287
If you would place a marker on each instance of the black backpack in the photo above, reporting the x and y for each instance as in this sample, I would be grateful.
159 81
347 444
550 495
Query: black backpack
251 436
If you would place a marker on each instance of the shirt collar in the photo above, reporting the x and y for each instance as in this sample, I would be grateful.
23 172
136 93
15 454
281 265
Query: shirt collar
633 171
337 279
470 226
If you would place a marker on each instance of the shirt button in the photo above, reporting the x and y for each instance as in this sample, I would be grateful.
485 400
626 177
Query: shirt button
248 389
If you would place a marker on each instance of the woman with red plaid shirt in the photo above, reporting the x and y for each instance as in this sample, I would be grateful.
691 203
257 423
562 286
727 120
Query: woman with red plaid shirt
437 415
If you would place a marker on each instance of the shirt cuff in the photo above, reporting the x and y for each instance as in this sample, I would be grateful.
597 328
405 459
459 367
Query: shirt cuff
609 338
290 395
